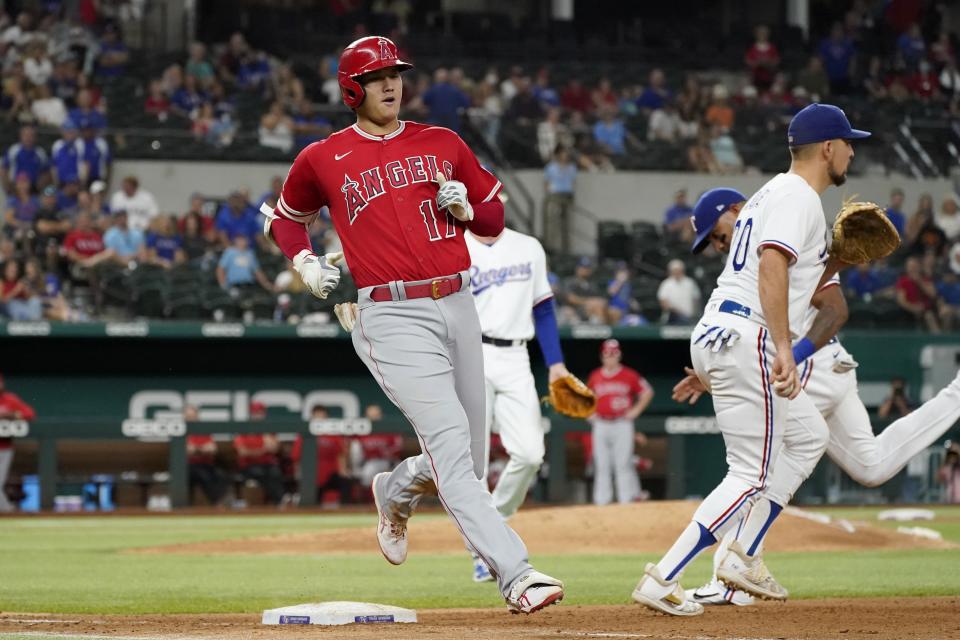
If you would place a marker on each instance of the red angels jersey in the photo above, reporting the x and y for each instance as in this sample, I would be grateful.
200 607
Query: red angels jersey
617 391
381 191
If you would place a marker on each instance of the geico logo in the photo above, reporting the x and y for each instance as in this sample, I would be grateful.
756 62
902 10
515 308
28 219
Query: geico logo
347 427
14 428
225 405
139 428
682 425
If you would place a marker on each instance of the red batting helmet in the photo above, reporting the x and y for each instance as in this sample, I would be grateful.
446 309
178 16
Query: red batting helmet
364 56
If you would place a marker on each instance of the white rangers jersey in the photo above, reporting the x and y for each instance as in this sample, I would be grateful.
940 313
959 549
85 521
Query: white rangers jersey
785 213
508 278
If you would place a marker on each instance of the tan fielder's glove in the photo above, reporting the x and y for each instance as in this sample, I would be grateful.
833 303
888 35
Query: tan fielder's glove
347 315
571 397
863 233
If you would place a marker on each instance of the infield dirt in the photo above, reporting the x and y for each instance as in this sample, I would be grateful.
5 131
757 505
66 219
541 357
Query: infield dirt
648 527
876 619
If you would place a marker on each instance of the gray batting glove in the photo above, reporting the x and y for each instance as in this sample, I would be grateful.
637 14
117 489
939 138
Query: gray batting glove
452 196
319 273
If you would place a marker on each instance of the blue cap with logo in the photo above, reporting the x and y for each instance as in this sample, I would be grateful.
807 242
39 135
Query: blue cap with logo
711 205
818 122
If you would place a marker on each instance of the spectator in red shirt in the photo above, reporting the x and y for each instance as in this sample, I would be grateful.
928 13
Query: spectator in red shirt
763 59
11 408
257 458
924 83
622 395
575 97
916 294
157 102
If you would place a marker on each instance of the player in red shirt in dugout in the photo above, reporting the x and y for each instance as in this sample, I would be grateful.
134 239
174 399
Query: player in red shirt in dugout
401 196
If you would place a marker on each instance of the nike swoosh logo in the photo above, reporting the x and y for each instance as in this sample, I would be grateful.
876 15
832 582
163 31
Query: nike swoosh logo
706 596
341 156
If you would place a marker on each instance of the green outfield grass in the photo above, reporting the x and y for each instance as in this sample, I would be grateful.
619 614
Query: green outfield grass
75 565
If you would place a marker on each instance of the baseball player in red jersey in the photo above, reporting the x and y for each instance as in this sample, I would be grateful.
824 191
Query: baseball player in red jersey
11 408
622 395
401 196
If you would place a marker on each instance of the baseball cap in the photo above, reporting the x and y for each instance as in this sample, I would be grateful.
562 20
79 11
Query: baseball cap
584 261
98 186
50 190
818 122
69 125
609 347
711 205
258 409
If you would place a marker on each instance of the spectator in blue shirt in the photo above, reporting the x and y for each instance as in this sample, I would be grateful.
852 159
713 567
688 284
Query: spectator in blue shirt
84 115
912 47
239 267
676 219
27 158
620 294
164 245
66 161
188 98
113 56
948 290
126 243
445 101
560 176
610 132
237 217
95 154
895 210
20 213
656 94
837 53
864 282
253 72
308 127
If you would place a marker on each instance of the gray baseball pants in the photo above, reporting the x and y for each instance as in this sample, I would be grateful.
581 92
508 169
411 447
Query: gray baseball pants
426 356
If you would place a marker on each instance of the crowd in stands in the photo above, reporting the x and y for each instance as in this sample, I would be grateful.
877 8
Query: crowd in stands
63 233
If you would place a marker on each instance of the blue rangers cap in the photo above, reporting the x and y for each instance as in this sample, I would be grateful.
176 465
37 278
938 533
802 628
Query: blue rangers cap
711 205
818 122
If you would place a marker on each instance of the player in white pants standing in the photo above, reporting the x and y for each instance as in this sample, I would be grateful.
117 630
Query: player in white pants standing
776 265
514 301
622 395
830 380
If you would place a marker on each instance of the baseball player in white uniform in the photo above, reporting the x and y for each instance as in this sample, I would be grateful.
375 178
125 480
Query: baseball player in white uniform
509 280
829 379
776 264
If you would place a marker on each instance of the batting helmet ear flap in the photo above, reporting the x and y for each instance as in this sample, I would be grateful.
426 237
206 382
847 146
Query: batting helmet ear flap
352 92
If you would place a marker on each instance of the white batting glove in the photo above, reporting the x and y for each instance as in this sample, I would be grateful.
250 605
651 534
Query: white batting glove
319 273
452 196
843 362
346 314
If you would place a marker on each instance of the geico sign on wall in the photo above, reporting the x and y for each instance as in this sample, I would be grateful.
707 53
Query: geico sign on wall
225 405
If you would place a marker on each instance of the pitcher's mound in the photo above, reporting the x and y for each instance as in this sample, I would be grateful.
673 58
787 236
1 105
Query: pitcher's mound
648 527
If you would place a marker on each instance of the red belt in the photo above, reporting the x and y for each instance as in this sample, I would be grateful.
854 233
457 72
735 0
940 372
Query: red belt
436 289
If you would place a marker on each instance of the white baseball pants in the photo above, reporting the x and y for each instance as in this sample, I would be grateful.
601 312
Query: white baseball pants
513 410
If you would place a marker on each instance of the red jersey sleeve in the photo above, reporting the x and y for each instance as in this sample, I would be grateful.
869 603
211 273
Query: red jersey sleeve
302 196
482 186
14 403
640 384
